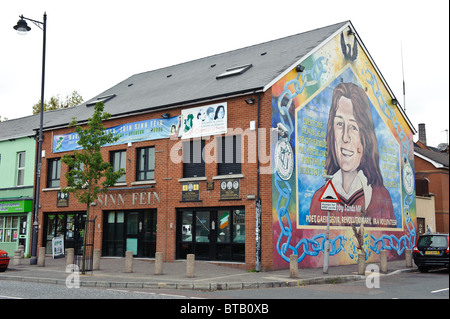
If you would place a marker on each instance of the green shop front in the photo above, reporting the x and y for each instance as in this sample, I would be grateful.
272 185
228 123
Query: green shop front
15 221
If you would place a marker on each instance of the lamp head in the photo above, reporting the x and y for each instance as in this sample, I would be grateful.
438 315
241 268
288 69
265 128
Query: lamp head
21 27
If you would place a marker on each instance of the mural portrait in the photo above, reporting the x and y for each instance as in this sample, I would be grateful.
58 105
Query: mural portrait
337 118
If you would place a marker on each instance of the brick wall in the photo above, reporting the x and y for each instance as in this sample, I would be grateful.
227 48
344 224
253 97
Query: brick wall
168 173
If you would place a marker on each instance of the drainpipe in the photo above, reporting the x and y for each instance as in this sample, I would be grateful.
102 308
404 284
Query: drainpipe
258 199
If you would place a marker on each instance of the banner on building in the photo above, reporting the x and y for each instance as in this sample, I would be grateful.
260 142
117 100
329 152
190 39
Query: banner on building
130 132
204 121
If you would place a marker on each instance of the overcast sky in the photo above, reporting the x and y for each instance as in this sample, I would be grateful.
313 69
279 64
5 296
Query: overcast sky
93 45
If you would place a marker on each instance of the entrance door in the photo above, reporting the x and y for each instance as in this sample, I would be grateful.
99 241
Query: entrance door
214 234
130 231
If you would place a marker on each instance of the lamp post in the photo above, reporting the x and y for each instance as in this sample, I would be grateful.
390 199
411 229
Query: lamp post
23 28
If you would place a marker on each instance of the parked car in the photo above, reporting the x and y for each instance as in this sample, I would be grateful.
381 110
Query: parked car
4 260
431 251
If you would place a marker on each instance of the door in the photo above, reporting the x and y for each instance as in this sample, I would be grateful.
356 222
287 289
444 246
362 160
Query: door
134 226
130 231
213 234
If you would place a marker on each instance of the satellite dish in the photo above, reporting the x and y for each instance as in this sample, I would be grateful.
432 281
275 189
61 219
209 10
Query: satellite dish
442 147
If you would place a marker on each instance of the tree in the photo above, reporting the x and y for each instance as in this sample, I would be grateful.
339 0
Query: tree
56 102
88 174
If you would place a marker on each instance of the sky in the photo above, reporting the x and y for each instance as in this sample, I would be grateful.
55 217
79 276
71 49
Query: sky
93 45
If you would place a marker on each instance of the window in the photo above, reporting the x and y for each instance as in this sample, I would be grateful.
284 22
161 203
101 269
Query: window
193 159
145 164
229 157
20 168
118 161
9 229
54 172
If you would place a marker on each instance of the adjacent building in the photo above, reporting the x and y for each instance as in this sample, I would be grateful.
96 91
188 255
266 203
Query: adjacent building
17 158
226 157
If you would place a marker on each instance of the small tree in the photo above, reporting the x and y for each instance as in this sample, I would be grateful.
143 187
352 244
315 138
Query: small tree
88 174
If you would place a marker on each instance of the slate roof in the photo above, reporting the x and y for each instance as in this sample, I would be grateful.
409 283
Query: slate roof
189 82
440 158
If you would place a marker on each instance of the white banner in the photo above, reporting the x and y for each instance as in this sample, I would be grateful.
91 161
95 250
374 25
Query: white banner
204 121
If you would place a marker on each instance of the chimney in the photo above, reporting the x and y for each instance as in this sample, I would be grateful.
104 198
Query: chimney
422 134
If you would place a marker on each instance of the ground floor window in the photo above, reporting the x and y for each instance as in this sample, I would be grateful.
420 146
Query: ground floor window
211 234
69 226
129 231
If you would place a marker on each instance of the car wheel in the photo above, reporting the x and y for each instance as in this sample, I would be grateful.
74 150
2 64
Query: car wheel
423 269
2 269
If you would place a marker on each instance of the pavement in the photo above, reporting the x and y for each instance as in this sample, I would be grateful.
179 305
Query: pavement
208 276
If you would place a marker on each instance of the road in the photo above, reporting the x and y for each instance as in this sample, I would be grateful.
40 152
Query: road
433 285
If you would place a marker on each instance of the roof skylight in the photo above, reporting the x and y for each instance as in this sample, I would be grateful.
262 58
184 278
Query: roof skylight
234 71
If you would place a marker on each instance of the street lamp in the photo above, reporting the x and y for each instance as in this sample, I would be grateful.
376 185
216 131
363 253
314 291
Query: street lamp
23 28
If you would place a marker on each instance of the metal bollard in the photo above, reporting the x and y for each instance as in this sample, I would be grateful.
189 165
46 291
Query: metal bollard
158 263
383 262
128 261
293 266
408 258
190 260
41 257
362 264
70 256
96 261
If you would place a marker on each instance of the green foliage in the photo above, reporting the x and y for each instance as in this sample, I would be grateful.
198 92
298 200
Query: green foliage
89 175
57 103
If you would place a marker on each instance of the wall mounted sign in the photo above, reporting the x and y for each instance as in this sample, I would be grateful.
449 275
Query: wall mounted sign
230 189
62 199
190 192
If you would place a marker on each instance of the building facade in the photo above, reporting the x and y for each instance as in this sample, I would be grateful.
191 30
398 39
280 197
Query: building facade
225 157
17 158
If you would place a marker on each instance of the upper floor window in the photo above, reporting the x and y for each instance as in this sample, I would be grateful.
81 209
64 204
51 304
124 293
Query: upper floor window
20 168
193 161
54 173
229 157
118 161
145 164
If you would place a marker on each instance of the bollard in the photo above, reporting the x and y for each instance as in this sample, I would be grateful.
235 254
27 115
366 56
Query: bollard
96 261
190 265
128 261
158 263
70 256
22 249
41 257
293 266
408 258
383 262
362 264
17 257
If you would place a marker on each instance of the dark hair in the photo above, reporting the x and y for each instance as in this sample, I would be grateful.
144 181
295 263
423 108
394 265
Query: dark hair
361 110
217 111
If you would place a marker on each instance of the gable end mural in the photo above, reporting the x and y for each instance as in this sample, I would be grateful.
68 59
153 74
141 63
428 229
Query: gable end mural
336 118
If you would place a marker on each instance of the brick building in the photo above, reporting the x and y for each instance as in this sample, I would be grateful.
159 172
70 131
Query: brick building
217 152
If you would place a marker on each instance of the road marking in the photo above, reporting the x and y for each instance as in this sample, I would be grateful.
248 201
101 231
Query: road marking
9 297
440 290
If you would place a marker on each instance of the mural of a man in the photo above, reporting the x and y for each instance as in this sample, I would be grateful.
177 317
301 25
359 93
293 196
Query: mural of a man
353 158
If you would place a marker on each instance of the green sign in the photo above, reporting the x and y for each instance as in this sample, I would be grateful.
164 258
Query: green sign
16 206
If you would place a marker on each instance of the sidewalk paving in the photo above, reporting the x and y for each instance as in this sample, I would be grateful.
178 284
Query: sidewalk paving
207 275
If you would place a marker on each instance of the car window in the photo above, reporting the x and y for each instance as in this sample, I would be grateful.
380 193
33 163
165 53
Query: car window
432 241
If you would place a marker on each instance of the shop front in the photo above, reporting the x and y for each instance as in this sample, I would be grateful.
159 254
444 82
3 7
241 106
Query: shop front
211 233
15 218
129 230
68 225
